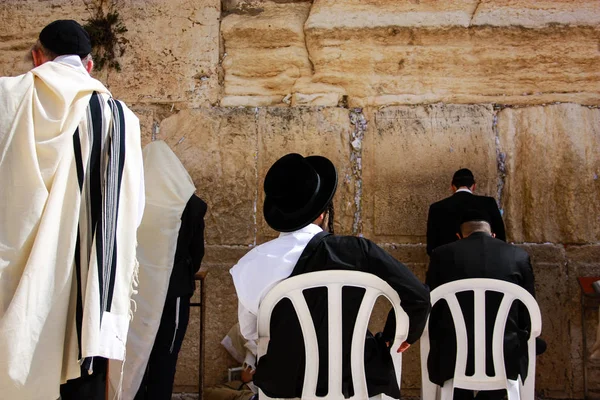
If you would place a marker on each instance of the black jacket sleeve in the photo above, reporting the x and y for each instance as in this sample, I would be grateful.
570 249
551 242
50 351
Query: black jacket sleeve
496 220
414 295
431 231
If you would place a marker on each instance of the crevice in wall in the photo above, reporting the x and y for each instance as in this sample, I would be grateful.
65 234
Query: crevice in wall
359 123
500 159
475 12
257 186
312 66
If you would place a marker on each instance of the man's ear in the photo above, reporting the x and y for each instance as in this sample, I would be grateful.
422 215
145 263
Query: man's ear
473 187
493 235
458 236
89 66
38 57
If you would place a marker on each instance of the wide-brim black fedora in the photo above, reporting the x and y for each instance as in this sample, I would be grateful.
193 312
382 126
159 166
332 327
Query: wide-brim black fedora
297 190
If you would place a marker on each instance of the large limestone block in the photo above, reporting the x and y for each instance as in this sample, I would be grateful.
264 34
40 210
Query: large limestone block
356 14
552 190
307 131
218 148
173 53
536 13
410 156
265 53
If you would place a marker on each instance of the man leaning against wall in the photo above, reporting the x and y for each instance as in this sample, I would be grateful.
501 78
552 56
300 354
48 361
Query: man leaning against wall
71 200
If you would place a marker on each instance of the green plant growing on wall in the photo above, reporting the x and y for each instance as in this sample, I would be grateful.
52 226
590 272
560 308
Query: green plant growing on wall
106 29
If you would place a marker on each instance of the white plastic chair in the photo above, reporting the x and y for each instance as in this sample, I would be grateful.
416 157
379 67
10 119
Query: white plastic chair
292 288
480 381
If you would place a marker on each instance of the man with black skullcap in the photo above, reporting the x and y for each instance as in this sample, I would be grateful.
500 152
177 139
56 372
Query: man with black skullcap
72 195
478 255
444 215
298 196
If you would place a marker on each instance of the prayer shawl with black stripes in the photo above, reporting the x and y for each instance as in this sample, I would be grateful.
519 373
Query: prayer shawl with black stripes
70 170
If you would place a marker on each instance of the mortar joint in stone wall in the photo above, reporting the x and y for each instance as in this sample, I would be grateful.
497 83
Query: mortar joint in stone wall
357 135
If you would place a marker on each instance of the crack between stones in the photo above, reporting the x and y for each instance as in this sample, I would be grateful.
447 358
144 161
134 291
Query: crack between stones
474 12
500 161
359 122
255 205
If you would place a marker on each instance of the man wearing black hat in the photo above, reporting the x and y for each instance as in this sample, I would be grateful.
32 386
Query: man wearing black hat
444 215
478 255
298 197
71 173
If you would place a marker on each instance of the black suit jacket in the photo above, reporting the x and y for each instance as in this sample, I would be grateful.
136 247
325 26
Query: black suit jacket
444 217
478 256
280 372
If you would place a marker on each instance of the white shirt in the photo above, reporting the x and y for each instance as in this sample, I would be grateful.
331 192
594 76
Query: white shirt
464 190
261 269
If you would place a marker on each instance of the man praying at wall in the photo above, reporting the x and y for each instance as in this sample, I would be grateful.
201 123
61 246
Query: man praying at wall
298 203
71 200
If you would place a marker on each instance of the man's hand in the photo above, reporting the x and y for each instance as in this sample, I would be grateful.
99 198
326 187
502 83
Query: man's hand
247 374
403 347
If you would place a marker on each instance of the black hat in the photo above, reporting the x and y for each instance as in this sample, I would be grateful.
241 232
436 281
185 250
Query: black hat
297 190
66 36
463 177
474 215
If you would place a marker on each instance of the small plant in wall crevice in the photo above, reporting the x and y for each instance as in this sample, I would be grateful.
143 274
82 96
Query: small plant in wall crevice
106 28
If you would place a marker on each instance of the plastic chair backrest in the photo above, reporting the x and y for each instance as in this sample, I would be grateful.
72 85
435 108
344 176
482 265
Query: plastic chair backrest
292 288
480 381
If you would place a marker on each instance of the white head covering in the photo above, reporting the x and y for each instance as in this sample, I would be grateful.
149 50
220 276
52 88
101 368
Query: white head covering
168 189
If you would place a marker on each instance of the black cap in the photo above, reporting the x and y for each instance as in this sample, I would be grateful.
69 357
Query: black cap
463 177
66 36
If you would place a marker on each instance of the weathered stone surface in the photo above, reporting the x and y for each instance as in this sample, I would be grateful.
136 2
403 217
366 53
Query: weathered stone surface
405 65
409 158
265 53
536 13
552 190
172 55
218 148
308 132
21 24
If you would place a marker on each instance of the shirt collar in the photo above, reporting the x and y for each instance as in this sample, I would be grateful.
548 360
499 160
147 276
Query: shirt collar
71 60
463 190
310 228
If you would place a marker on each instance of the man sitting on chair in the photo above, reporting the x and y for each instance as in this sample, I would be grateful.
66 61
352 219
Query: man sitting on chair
298 203
478 255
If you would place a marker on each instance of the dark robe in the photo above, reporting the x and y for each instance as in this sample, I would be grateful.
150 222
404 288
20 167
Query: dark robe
478 256
444 217
280 372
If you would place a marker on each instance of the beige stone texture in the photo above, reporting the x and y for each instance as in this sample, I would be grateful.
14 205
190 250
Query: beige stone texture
536 13
21 24
552 190
399 65
410 156
265 52
307 131
218 148
171 55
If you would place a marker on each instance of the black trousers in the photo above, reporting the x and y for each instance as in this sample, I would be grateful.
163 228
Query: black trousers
88 386
461 394
157 383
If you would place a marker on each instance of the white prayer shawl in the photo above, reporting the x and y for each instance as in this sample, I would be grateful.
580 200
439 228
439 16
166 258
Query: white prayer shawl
41 205
168 189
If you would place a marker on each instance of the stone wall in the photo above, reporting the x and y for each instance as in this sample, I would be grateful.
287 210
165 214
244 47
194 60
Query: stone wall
399 94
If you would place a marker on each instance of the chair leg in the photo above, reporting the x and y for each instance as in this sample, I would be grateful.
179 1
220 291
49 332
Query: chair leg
429 391
447 392
513 389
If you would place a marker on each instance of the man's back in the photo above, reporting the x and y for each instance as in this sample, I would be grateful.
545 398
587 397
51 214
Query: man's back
477 256
281 371
444 217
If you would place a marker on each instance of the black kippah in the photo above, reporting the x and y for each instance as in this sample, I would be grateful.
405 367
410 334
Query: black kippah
66 36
